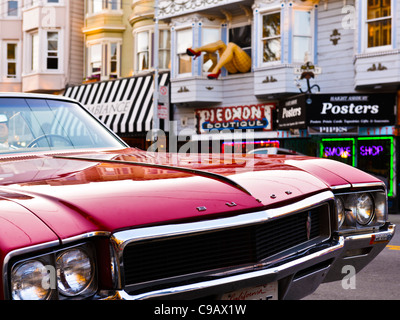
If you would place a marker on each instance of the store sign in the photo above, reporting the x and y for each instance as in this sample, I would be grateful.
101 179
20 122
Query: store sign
373 151
337 110
256 117
333 130
342 152
292 113
351 109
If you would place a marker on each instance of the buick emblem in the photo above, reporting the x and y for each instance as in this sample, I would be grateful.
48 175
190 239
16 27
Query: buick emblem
308 226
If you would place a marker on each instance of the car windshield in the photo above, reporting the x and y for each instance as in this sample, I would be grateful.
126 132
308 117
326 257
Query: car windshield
30 125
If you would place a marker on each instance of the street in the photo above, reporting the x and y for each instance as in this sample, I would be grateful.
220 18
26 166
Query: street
380 280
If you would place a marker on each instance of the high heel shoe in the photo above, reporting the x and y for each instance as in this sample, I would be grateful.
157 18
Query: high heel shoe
193 53
215 76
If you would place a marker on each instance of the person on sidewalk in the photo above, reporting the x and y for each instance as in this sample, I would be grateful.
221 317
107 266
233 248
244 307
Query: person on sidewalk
232 57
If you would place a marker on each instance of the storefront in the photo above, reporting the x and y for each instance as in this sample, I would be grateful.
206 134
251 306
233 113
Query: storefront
357 129
126 105
236 129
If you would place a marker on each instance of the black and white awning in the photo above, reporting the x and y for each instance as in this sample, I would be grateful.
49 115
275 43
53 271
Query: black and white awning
124 105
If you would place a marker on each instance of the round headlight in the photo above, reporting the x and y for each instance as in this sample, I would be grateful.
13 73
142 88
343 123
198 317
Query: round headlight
74 272
341 211
27 281
365 208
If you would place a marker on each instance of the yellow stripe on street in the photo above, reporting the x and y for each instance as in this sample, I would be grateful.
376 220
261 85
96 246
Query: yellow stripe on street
391 247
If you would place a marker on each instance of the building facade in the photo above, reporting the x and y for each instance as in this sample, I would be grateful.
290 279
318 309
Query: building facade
108 40
323 81
41 45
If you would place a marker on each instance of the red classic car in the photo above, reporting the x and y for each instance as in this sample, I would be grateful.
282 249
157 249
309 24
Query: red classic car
83 216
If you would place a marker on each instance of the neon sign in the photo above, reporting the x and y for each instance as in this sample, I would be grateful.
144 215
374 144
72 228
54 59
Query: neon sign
343 152
371 154
244 146
371 151
343 148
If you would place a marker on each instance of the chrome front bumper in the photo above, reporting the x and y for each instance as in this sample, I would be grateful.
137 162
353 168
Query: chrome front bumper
298 276
359 251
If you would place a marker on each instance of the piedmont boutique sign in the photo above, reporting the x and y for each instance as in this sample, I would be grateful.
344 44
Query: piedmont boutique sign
329 110
255 116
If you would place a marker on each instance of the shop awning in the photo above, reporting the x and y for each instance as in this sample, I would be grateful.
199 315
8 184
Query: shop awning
124 105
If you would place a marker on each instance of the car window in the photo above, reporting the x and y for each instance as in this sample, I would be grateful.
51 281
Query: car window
46 124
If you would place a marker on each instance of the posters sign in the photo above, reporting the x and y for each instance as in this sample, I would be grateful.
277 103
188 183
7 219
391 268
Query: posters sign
337 110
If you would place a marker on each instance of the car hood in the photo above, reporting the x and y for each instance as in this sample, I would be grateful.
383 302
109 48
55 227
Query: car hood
107 191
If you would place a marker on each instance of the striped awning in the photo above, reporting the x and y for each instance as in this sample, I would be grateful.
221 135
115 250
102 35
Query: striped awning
124 105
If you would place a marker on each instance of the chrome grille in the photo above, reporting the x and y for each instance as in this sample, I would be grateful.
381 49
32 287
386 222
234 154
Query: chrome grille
172 257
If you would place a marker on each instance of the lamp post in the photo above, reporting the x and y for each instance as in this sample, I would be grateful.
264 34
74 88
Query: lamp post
156 122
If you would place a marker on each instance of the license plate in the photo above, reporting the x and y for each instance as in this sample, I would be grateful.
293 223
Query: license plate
264 292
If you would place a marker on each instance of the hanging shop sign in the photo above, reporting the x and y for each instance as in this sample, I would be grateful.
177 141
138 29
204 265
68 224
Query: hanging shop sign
292 113
256 116
351 109
337 110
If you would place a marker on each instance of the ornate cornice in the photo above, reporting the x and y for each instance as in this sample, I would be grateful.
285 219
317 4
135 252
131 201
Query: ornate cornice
174 7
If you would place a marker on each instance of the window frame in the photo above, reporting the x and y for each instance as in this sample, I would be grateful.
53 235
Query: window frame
117 73
311 36
37 3
90 73
166 51
177 54
150 48
4 65
49 52
365 36
106 6
105 59
203 39
261 38
34 46
16 60
4 10
146 52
